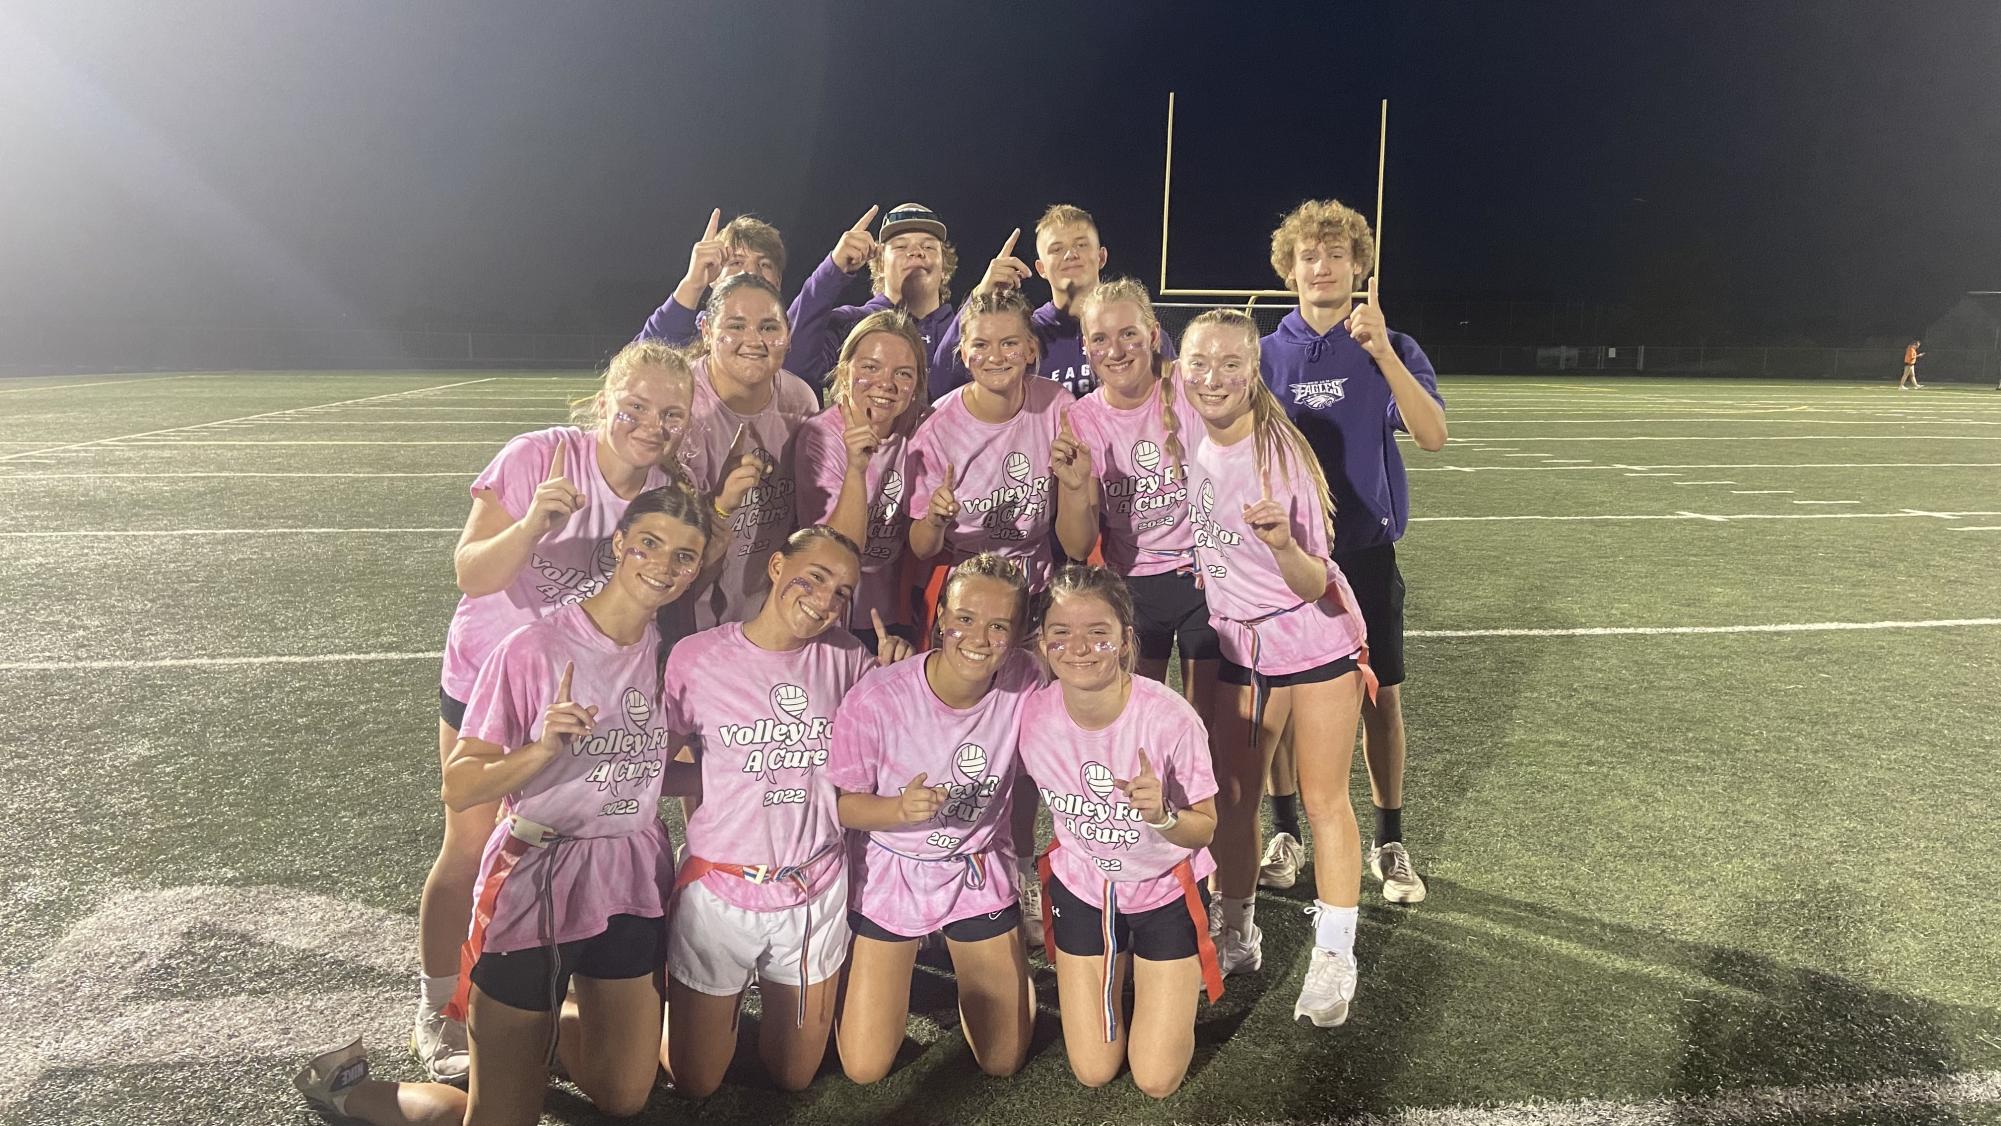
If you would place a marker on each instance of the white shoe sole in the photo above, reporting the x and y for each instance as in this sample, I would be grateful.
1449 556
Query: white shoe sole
451 1078
1330 1018
1279 880
1403 895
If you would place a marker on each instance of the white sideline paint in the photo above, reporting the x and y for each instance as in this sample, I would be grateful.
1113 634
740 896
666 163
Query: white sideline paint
1652 474
76 1001
1554 463
1754 1104
1748 421
171 430
1746 438
1718 517
94 476
1702 482
1653 631
1827 502
1977 528
95 533
1759 492
307 442
217 662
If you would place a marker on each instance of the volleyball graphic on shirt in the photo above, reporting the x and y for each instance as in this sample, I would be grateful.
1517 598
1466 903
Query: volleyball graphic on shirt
1146 455
1018 466
1098 779
971 761
1206 499
789 699
637 711
892 490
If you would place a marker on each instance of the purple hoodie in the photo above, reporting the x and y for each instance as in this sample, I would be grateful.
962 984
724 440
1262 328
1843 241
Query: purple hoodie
820 327
1341 401
672 322
1062 338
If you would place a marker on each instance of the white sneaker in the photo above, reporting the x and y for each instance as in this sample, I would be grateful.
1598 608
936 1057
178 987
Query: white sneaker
1391 864
1240 953
1280 867
1330 986
439 1043
1031 909
327 1078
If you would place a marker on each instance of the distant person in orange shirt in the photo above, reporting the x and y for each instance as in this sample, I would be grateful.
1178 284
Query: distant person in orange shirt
1910 377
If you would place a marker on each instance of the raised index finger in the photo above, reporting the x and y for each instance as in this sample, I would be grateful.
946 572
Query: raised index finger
715 224
1145 766
862 223
556 463
1372 290
563 684
1007 247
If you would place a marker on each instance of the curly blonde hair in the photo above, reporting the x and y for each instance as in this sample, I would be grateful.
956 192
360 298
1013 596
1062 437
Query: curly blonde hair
588 412
1322 221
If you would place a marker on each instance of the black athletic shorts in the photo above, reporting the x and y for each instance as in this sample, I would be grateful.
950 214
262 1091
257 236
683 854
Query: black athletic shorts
1159 934
867 636
1230 672
1168 607
628 947
452 711
1378 585
977 928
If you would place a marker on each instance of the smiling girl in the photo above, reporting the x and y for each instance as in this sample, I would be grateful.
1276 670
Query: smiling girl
763 892
746 409
1123 764
1292 640
564 730
851 462
924 757
538 538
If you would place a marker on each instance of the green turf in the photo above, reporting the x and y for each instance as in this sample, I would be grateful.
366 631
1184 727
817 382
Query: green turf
1660 866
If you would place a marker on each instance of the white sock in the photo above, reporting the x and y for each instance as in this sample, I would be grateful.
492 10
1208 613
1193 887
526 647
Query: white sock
436 992
1334 928
1238 914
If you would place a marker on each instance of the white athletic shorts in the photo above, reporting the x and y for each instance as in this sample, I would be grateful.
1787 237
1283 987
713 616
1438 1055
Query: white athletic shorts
717 948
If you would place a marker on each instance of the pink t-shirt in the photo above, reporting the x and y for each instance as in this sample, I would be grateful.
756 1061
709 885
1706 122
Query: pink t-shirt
891 728
1142 490
1102 837
605 791
1007 498
566 566
820 461
766 515
760 723
1260 623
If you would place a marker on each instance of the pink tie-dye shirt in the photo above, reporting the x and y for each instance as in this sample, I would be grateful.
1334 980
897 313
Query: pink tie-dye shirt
913 881
1142 489
566 566
1260 623
1078 771
766 516
820 463
603 791
1007 497
760 722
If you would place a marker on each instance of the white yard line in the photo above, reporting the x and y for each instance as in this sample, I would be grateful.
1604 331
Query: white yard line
1759 492
1715 516
1456 421
309 442
1553 463
103 383
1653 631
1744 438
1977 528
215 662
1702 482
1874 1100
241 418
1827 502
95 533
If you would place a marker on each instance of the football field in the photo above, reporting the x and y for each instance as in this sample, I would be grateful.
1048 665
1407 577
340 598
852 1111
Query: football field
1705 747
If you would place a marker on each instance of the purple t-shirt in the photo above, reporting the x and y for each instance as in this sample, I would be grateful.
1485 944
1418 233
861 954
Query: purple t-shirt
1103 837
604 792
1260 623
1062 339
820 327
565 566
766 516
1007 497
891 728
1143 491
819 464
1340 400
760 722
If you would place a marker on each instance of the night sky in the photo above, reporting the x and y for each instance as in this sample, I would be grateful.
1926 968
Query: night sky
1790 170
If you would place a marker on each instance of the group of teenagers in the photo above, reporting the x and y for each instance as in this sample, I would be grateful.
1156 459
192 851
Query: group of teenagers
865 644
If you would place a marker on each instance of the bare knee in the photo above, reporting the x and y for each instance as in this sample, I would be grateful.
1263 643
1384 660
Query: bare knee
1094 1072
1001 1065
696 1086
621 1103
871 1069
1157 1084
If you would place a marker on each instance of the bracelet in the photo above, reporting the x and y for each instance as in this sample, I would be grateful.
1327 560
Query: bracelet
1165 823
716 507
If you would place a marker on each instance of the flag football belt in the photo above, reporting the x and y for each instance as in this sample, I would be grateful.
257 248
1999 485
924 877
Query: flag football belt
794 874
1108 920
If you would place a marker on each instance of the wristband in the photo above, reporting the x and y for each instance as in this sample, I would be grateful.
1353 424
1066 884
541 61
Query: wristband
1167 822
